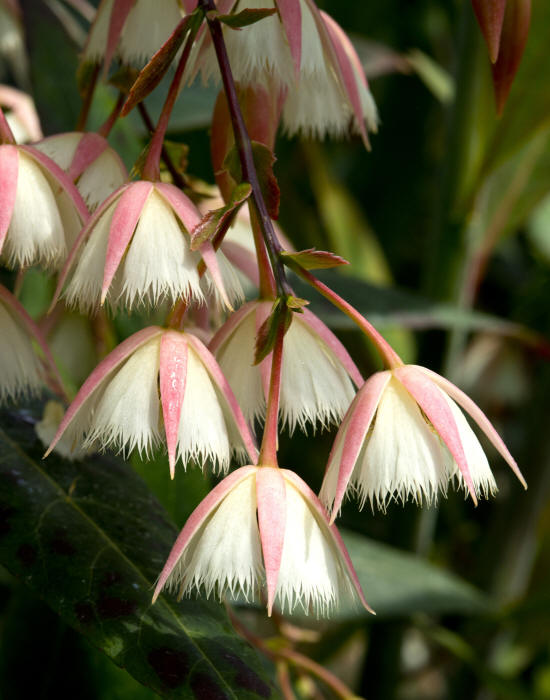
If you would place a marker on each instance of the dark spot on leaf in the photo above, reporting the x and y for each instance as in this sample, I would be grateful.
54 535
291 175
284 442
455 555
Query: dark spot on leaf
59 544
26 554
245 677
170 665
109 608
204 688
5 513
84 613
110 578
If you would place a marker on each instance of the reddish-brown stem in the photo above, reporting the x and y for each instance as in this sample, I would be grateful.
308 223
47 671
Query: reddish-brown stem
389 356
106 127
244 149
294 658
268 451
151 169
177 177
87 101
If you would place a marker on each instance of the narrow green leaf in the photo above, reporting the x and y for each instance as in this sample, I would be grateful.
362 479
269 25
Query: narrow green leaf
90 539
312 259
267 332
216 222
246 17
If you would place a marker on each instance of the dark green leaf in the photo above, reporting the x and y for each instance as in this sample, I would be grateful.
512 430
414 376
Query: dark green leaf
267 333
397 583
90 539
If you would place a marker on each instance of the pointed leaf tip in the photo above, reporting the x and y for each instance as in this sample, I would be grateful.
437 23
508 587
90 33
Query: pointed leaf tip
490 16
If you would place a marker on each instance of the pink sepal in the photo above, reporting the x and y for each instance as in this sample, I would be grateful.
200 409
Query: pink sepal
197 518
428 396
89 148
172 379
353 432
229 326
34 330
110 363
208 254
189 5
123 224
271 500
184 208
81 239
328 337
63 179
215 372
348 64
478 416
317 506
291 18
119 13
9 172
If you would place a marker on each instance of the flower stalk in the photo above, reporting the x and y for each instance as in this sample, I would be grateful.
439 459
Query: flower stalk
268 450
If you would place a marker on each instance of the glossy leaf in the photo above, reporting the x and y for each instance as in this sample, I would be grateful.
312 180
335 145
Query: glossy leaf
215 223
90 539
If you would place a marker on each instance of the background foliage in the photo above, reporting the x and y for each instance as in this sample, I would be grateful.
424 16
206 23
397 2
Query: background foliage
447 226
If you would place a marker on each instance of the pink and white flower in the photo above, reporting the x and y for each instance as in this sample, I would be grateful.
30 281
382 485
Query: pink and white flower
133 30
22 371
262 528
136 250
404 436
41 211
89 161
317 373
160 385
302 55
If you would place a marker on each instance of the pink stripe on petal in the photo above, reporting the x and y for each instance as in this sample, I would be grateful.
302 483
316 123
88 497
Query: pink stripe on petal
81 239
89 148
62 178
110 363
229 326
9 172
271 499
429 398
123 225
173 377
119 13
478 416
328 337
344 52
291 18
332 530
197 518
184 208
215 372
359 418
208 254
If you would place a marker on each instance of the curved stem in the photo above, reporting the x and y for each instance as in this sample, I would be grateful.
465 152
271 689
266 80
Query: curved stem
177 177
151 169
268 451
87 100
388 354
244 149
106 127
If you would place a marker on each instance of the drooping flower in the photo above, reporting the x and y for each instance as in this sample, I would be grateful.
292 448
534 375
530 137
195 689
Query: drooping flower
303 56
160 385
136 250
22 371
317 373
133 30
404 436
262 528
41 211
89 161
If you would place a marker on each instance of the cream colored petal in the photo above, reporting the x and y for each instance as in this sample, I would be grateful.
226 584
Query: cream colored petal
20 371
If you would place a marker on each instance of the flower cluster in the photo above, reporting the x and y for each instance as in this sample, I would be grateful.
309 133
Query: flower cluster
208 381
